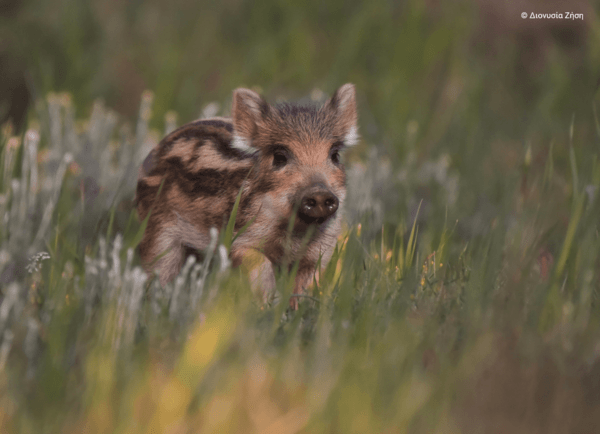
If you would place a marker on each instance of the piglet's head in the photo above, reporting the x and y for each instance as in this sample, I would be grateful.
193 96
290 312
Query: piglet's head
298 150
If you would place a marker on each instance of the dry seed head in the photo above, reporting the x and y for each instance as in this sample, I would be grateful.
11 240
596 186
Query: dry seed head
65 99
14 143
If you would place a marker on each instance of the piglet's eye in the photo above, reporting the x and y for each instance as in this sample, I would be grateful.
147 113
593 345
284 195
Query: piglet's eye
279 160
335 157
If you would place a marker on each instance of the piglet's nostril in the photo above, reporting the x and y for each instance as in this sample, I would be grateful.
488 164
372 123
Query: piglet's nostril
317 205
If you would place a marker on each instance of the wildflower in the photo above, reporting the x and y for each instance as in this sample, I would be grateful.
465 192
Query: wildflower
210 110
43 155
65 99
13 143
225 262
34 262
32 135
146 106
74 168
317 94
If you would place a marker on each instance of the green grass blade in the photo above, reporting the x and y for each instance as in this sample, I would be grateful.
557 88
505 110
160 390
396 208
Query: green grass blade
574 173
549 167
244 228
110 222
228 236
412 240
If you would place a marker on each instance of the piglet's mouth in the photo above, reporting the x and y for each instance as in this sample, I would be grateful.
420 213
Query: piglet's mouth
302 224
308 220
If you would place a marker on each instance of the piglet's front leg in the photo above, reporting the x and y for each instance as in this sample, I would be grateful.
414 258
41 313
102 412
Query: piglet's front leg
304 278
263 282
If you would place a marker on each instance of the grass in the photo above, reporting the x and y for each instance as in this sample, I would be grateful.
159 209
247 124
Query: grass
464 291
414 327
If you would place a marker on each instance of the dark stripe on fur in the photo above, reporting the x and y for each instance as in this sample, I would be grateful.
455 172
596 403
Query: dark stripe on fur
159 170
223 146
243 215
197 131
201 132
216 220
264 185
215 123
206 182
185 132
144 192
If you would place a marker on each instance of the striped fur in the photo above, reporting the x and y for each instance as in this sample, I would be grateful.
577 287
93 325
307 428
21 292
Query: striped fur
203 165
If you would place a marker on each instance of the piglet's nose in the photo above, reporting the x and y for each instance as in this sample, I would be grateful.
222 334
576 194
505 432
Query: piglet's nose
317 205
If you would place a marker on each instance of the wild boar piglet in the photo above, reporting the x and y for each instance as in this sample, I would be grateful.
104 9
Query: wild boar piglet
285 159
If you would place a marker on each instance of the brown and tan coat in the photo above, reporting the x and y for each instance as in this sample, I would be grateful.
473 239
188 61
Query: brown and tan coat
285 159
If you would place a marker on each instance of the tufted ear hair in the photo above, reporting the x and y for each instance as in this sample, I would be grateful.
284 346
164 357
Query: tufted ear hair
248 111
343 106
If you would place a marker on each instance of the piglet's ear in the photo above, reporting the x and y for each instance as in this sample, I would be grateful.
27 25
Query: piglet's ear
247 112
343 106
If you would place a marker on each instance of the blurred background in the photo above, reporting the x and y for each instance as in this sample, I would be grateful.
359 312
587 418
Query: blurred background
477 124
470 81
472 65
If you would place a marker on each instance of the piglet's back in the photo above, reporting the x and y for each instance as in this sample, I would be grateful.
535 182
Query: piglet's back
194 163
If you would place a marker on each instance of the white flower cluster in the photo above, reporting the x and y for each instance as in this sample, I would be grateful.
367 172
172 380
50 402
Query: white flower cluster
34 263
91 148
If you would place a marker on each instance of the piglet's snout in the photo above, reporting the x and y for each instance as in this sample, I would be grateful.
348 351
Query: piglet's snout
318 203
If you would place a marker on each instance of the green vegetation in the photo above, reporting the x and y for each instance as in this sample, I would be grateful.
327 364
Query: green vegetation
463 296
